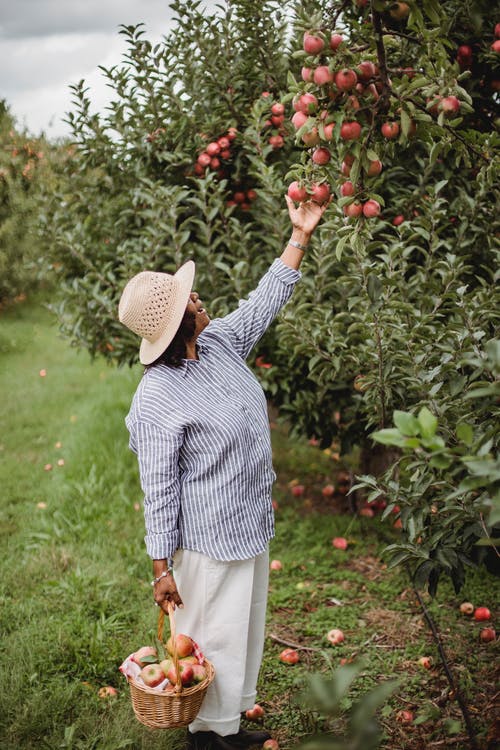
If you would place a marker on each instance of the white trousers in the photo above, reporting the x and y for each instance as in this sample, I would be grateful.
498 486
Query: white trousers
225 612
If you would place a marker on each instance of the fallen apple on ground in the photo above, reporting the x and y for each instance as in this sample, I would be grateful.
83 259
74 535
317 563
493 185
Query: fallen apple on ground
270 745
276 565
467 608
339 542
107 692
487 634
289 656
482 613
255 713
335 636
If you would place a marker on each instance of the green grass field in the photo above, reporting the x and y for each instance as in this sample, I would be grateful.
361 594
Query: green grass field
75 593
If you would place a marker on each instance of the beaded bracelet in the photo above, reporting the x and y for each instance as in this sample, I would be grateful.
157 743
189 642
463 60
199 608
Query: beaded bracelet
298 245
162 575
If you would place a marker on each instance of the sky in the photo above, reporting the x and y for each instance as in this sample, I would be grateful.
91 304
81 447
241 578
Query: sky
46 45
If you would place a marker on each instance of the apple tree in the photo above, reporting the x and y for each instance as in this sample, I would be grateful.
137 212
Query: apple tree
390 106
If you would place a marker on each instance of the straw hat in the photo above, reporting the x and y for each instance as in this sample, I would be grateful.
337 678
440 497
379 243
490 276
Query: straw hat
153 304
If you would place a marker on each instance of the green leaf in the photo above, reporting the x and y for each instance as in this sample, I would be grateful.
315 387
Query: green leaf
428 422
406 423
465 433
389 436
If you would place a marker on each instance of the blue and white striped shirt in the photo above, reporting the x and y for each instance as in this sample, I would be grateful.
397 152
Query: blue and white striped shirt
201 434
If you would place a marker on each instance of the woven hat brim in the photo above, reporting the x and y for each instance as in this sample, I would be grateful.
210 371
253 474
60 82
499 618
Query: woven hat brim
184 277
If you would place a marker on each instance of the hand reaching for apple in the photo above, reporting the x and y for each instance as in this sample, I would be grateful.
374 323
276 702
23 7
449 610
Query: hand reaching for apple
306 217
165 593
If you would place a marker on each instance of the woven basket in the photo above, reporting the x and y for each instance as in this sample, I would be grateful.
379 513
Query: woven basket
160 710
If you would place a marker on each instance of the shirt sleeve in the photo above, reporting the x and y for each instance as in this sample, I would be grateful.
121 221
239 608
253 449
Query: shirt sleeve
158 455
248 323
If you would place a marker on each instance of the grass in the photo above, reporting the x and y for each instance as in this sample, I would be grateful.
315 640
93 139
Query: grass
75 595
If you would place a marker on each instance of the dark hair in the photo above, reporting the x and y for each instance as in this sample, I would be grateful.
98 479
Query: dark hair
176 350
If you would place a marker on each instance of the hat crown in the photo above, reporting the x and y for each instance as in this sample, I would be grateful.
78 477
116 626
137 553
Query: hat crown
147 303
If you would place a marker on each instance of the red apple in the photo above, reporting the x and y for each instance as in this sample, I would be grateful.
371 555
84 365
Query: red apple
191 659
497 30
204 159
276 565
213 148
251 195
350 131
464 56
328 490
183 643
166 665
107 692
487 634
467 608
145 655
365 70
425 662
232 133
353 210
186 673
482 613
335 41
306 103
371 209
199 673
312 44
346 79
278 109
329 128
322 75
375 168
298 490
152 675
496 46
225 154
345 168
306 74
339 542
320 192
347 189
398 220
289 656
399 11
214 163
321 156
297 193
299 119
311 138
276 141
270 745
335 636
450 105
224 142
367 512
390 130
255 713
405 717
239 196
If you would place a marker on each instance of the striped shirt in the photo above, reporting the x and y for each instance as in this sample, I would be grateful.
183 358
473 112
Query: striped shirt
201 435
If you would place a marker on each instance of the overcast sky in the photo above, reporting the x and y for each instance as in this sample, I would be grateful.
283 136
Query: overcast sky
45 45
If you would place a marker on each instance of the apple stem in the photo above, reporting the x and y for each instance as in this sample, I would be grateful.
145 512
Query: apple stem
460 700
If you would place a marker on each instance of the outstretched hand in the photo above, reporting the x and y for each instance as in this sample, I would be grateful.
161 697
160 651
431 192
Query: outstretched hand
307 215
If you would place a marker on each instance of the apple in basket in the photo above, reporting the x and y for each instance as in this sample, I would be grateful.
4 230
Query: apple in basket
145 655
199 673
152 675
192 659
186 672
183 643
166 664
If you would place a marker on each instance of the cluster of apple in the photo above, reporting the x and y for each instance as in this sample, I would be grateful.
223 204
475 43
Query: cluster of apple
275 121
495 45
242 198
339 104
155 672
480 614
215 154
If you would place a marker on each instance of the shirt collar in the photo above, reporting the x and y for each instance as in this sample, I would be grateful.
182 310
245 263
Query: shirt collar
187 363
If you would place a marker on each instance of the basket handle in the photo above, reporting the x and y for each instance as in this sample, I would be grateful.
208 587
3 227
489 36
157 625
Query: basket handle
175 656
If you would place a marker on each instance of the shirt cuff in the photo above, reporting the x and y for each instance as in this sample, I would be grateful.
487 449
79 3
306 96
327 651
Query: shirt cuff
284 273
162 546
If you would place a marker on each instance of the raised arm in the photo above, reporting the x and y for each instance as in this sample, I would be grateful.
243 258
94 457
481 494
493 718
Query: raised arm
305 218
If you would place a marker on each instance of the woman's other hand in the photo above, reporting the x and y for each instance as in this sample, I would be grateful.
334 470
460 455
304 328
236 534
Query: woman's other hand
165 593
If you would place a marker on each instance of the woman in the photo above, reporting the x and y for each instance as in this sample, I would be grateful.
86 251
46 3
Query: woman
199 425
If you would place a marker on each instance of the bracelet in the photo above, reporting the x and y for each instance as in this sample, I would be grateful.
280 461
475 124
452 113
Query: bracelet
162 575
298 245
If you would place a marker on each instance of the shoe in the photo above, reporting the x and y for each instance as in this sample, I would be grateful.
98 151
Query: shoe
200 740
240 741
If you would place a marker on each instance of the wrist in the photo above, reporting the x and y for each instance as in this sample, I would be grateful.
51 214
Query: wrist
160 566
298 235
